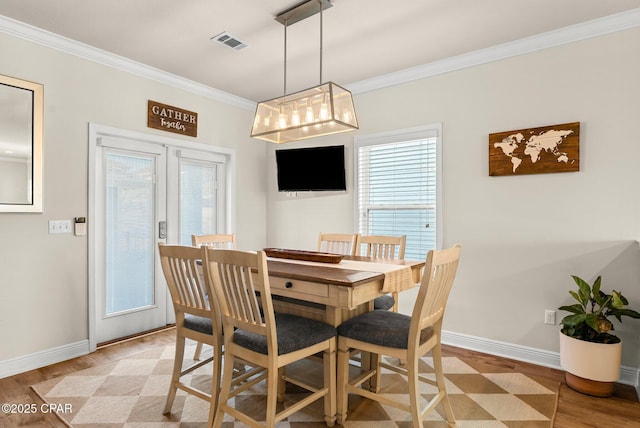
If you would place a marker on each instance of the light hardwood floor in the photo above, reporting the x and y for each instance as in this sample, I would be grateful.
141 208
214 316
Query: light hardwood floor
575 410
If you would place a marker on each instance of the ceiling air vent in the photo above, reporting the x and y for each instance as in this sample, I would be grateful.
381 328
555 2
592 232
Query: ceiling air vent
229 40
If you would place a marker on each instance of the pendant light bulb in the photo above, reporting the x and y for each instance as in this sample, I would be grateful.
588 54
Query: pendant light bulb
295 116
308 118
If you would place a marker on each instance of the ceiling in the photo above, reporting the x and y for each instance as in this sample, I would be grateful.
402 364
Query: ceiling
363 39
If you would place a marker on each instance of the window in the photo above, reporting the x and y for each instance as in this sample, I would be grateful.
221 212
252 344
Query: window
398 187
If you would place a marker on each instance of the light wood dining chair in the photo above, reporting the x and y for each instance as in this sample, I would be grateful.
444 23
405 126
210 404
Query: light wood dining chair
254 333
383 247
405 338
221 241
197 318
225 241
337 243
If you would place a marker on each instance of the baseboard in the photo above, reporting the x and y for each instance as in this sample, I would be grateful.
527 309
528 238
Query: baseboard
628 375
43 358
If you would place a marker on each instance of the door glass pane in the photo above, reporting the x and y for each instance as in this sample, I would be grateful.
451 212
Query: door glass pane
197 199
130 232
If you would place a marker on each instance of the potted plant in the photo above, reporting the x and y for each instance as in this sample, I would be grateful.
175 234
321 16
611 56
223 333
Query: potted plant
589 352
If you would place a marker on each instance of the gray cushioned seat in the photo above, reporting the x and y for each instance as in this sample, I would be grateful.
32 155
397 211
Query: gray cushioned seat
293 333
385 302
200 324
384 328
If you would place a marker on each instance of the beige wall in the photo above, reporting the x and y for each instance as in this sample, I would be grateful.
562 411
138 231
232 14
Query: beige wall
522 237
43 278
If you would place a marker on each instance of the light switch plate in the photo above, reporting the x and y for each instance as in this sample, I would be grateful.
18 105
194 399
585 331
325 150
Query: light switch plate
59 226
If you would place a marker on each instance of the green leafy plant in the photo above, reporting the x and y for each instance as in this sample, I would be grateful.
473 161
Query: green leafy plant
589 317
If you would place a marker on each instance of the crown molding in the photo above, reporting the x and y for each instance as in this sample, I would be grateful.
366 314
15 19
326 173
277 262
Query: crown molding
51 40
574 33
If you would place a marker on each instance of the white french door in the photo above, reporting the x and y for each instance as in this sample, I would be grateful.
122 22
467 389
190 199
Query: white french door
144 190
197 193
130 219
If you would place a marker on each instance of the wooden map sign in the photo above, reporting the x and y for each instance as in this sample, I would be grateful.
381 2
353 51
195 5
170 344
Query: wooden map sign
172 119
541 150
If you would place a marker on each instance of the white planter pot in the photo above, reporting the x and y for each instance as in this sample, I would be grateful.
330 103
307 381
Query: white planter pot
595 361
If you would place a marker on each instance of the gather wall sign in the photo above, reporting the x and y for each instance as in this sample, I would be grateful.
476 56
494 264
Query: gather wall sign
172 119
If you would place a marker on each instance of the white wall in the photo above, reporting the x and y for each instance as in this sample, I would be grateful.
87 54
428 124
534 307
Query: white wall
43 278
523 236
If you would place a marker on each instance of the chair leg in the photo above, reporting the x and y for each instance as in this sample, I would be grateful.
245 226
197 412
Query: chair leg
342 396
225 389
376 379
414 391
329 365
215 380
436 353
273 381
196 354
282 385
396 299
175 377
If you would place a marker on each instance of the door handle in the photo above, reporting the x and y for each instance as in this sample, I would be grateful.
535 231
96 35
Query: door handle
162 230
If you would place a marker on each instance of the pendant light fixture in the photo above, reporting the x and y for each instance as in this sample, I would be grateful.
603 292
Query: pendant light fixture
322 110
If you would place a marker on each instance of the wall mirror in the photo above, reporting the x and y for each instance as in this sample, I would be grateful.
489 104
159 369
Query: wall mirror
21 105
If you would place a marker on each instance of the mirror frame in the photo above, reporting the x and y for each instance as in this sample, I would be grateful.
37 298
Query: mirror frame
37 90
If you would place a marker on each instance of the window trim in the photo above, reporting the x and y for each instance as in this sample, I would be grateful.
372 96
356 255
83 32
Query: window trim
420 132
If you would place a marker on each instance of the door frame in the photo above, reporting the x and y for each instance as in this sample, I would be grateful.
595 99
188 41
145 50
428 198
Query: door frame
96 132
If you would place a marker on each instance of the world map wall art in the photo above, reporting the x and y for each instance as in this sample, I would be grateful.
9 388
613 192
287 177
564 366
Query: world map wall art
541 150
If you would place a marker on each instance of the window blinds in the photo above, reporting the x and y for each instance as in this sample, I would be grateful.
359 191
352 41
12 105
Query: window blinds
397 189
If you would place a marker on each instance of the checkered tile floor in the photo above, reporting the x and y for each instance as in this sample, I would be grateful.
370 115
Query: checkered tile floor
130 393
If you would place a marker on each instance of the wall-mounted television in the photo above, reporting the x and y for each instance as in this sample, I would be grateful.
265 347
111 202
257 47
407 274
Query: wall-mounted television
311 169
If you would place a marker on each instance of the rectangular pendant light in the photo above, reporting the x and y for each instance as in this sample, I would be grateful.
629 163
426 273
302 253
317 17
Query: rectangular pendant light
322 110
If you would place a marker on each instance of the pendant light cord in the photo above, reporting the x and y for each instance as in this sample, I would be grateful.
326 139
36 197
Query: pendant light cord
321 25
285 57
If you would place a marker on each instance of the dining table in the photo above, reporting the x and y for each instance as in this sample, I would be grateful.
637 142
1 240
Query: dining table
334 292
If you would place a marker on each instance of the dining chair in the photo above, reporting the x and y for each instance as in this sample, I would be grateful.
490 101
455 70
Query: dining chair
383 247
402 337
227 241
337 243
197 318
254 333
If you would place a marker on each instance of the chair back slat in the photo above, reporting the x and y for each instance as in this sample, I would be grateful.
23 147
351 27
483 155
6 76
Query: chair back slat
241 291
437 281
338 243
184 278
188 284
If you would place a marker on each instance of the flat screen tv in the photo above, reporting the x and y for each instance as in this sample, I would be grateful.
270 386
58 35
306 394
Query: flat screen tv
311 169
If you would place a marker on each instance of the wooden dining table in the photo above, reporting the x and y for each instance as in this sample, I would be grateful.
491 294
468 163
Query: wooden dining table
334 293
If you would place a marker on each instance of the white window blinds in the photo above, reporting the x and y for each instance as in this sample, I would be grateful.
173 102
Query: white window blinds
397 187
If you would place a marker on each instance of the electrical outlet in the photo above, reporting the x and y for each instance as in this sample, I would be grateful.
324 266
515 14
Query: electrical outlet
549 317
59 226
